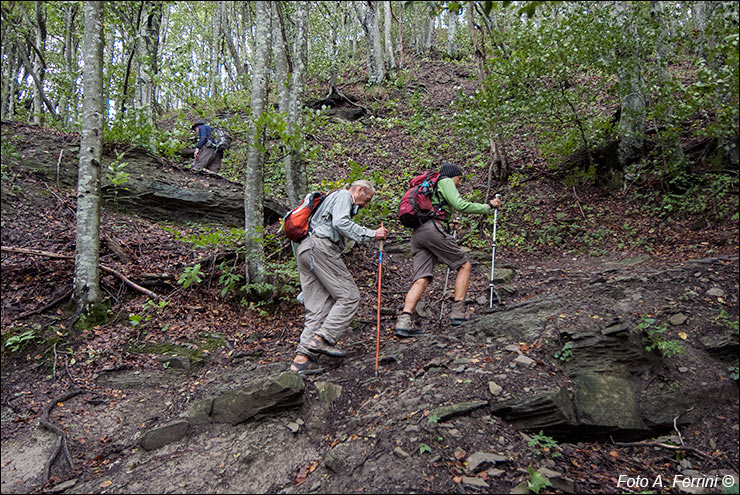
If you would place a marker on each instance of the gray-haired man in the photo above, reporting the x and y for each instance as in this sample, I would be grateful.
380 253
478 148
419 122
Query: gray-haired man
331 296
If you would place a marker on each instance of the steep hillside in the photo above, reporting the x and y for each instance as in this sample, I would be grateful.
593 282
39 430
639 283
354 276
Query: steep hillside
558 379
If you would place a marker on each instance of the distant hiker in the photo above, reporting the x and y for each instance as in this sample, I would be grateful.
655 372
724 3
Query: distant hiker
331 296
206 154
431 242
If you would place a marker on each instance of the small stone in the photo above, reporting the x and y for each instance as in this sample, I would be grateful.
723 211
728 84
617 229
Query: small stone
482 460
677 319
316 486
400 452
495 472
525 361
683 369
495 388
294 427
473 481
513 348
716 292
455 433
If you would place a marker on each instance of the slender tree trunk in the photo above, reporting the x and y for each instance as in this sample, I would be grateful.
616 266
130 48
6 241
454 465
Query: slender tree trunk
214 75
254 188
451 31
38 62
428 37
387 6
86 285
673 149
400 38
369 18
475 37
295 165
631 126
147 46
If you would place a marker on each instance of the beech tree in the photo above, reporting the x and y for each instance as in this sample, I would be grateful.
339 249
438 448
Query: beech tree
87 292
254 184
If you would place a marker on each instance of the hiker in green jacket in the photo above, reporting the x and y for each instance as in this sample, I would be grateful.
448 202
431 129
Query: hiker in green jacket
431 242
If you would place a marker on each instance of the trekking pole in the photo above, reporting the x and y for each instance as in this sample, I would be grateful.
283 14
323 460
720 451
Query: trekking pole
493 253
380 278
447 278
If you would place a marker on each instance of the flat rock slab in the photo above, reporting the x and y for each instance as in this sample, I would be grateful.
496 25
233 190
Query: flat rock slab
164 435
275 392
446 412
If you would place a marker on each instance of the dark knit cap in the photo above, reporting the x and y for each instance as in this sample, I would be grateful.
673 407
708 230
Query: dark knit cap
197 123
450 170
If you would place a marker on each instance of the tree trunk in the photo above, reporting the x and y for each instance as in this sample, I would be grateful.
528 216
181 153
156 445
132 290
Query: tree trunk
451 31
38 62
388 40
368 16
631 128
295 165
147 46
68 102
673 150
480 56
428 37
87 284
254 188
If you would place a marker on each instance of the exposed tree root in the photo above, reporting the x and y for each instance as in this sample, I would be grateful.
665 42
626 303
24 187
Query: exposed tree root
61 445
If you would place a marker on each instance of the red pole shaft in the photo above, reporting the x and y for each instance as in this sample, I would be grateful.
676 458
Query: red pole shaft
380 278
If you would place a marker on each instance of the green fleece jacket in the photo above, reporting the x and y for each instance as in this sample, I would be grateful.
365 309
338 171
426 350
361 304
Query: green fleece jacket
451 200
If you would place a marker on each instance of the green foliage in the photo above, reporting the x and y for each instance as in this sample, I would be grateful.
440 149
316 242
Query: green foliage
565 353
536 481
14 342
424 448
654 338
149 307
228 279
117 176
734 372
208 237
433 418
543 442
191 275
723 318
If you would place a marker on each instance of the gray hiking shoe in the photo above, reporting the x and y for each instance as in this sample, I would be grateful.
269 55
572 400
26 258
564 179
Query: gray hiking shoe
405 326
458 315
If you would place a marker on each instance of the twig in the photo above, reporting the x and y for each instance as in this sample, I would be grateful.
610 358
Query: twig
108 269
662 445
59 162
675 425
578 202
47 306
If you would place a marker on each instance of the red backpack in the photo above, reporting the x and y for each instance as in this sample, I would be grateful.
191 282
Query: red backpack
416 205
296 221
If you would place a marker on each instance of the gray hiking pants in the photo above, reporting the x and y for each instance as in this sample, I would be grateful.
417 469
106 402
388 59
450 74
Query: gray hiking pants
331 296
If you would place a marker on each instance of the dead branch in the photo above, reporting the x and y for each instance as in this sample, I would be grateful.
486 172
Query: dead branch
662 445
61 446
47 306
108 269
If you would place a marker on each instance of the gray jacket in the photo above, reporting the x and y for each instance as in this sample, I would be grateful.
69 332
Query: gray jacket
333 220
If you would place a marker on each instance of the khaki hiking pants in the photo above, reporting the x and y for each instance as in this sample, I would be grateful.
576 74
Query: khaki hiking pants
331 294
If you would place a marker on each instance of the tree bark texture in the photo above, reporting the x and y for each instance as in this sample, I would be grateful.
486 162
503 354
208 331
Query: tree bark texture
631 126
387 6
87 276
254 187
295 166
368 15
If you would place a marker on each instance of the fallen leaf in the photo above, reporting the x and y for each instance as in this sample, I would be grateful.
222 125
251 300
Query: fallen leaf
683 335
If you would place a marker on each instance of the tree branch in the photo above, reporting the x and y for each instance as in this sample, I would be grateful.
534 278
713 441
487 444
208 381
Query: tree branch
108 269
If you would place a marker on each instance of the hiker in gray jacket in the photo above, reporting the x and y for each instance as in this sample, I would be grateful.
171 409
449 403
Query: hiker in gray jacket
331 296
